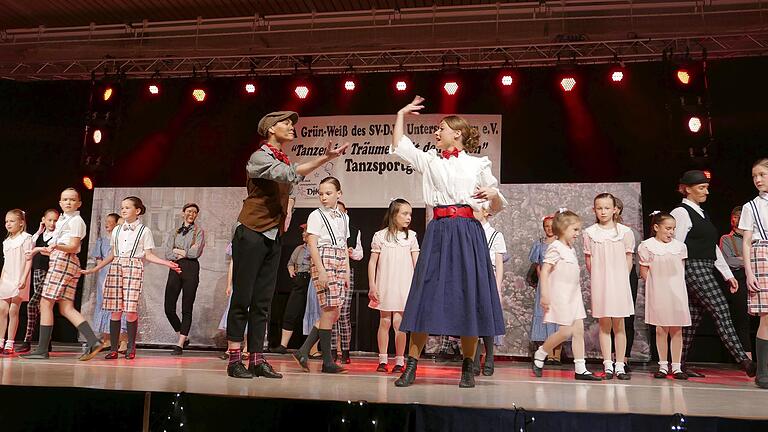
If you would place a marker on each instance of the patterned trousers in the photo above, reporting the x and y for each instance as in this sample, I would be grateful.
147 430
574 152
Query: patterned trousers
449 343
342 329
33 306
705 295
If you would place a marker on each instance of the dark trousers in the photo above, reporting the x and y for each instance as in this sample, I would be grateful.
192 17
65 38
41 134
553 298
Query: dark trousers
297 302
629 322
185 284
737 304
255 261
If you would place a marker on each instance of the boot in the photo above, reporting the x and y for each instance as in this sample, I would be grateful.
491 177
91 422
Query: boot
409 374
467 375
761 349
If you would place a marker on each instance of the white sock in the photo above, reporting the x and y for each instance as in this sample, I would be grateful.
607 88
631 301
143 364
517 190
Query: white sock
676 367
663 365
400 360
539 356
383 358
608 365
9 343
580 366
620 367
2 343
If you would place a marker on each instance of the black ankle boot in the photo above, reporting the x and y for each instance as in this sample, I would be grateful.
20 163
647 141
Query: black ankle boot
467 374
761 349
409 374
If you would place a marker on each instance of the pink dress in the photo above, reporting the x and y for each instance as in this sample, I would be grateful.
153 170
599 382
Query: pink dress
395 269
611 292
666 297
566 304
13 251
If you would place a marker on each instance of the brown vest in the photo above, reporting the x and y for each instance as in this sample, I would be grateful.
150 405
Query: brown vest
266 205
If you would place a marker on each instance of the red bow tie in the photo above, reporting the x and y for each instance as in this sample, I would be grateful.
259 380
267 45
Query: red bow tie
279 154
450 153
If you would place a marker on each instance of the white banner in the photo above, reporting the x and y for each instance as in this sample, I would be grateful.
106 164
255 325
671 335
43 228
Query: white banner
369 176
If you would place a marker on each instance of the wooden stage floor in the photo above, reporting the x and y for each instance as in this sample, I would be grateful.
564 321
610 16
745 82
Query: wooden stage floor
726 392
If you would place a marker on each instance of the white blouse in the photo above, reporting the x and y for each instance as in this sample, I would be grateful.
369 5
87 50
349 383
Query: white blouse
748 221
124 242
339 227
69 226
448 181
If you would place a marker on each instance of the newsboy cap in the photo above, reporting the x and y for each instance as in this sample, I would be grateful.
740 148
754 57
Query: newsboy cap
273 118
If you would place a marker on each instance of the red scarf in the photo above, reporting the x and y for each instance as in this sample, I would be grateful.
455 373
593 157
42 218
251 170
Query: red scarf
279 154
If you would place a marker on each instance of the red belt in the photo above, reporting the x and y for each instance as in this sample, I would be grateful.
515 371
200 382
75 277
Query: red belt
453 211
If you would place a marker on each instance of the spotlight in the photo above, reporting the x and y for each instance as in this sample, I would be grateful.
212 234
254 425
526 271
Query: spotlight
250 88
708 174
97 136
349 85
617 76
154 89
88 182
683 76
108 93
694 124
451 87
198 94
506 80
301 91
401 86
568 83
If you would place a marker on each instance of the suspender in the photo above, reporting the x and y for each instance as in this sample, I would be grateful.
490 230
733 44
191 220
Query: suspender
135 243
492 239
328 226
758 220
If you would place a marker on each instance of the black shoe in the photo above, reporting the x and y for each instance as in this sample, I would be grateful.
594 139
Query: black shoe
586 376
608 375
693 374
186 342
661 374
626 368
263 369
177 351
749 367
345 357
335 356
35 356
467 375
22 347
279 350
238 370
476 369
761 382
301 360
536 370
397 369
680 375
333 368
488 369
92 351
623 376
409 374
382 368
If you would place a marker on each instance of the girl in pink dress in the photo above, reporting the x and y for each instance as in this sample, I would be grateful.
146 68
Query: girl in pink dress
662 266
14 281
608 250
394 252
561 298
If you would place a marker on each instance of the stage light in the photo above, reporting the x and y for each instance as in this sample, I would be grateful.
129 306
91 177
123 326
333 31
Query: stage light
97 136
154 89
108 93
250 88
301 91
451 87
683 76
708 174
349 85
506 80
87 182
694 124
568 83
198 94
401 86
617 76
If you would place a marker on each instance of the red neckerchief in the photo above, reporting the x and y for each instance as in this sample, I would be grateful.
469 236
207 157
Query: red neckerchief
450 153
279 154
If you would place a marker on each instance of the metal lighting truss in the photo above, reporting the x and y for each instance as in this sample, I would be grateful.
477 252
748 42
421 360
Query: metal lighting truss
522 34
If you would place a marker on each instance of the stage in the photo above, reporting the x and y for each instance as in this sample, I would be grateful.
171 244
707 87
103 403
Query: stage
139 392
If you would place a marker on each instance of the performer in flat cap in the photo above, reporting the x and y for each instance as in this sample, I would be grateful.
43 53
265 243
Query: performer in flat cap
704 257
256 241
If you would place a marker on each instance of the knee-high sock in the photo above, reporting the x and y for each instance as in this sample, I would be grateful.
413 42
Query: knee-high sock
85 329
311 339
114 335
133 328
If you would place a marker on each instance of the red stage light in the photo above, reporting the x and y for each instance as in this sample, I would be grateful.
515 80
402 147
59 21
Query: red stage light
97 136
451 87
250 88
301 91
506 80
683 76
198 95
349 85
617 76
108 93
153 89
401 85
694 124
708 174
568 83
87 182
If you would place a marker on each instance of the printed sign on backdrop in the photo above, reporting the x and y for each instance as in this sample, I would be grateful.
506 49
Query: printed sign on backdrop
369 175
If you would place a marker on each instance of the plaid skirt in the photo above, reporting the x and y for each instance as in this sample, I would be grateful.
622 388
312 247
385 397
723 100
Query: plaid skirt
123 285
757 302
334 261
63 273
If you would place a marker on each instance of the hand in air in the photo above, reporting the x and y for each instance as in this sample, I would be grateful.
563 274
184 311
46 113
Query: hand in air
336 152
414 107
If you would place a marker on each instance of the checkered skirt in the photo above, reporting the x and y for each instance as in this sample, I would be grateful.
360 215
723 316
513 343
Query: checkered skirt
123 285
334 260
63 273
757 302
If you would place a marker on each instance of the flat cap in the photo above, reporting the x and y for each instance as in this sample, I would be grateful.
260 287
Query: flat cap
694 177
273 118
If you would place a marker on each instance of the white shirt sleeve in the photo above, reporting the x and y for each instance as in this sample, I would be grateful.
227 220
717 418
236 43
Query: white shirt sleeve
683 223
488 180
315 223
721 265
416 157
78 228
357 252
148 242
747 220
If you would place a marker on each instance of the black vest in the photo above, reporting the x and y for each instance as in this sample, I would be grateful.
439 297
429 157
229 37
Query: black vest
352 239
40 261
703 236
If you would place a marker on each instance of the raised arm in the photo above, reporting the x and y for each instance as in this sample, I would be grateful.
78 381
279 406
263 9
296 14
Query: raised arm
412 108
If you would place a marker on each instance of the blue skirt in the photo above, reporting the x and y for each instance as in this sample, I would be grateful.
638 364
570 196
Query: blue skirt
453 291
311 310
540 330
